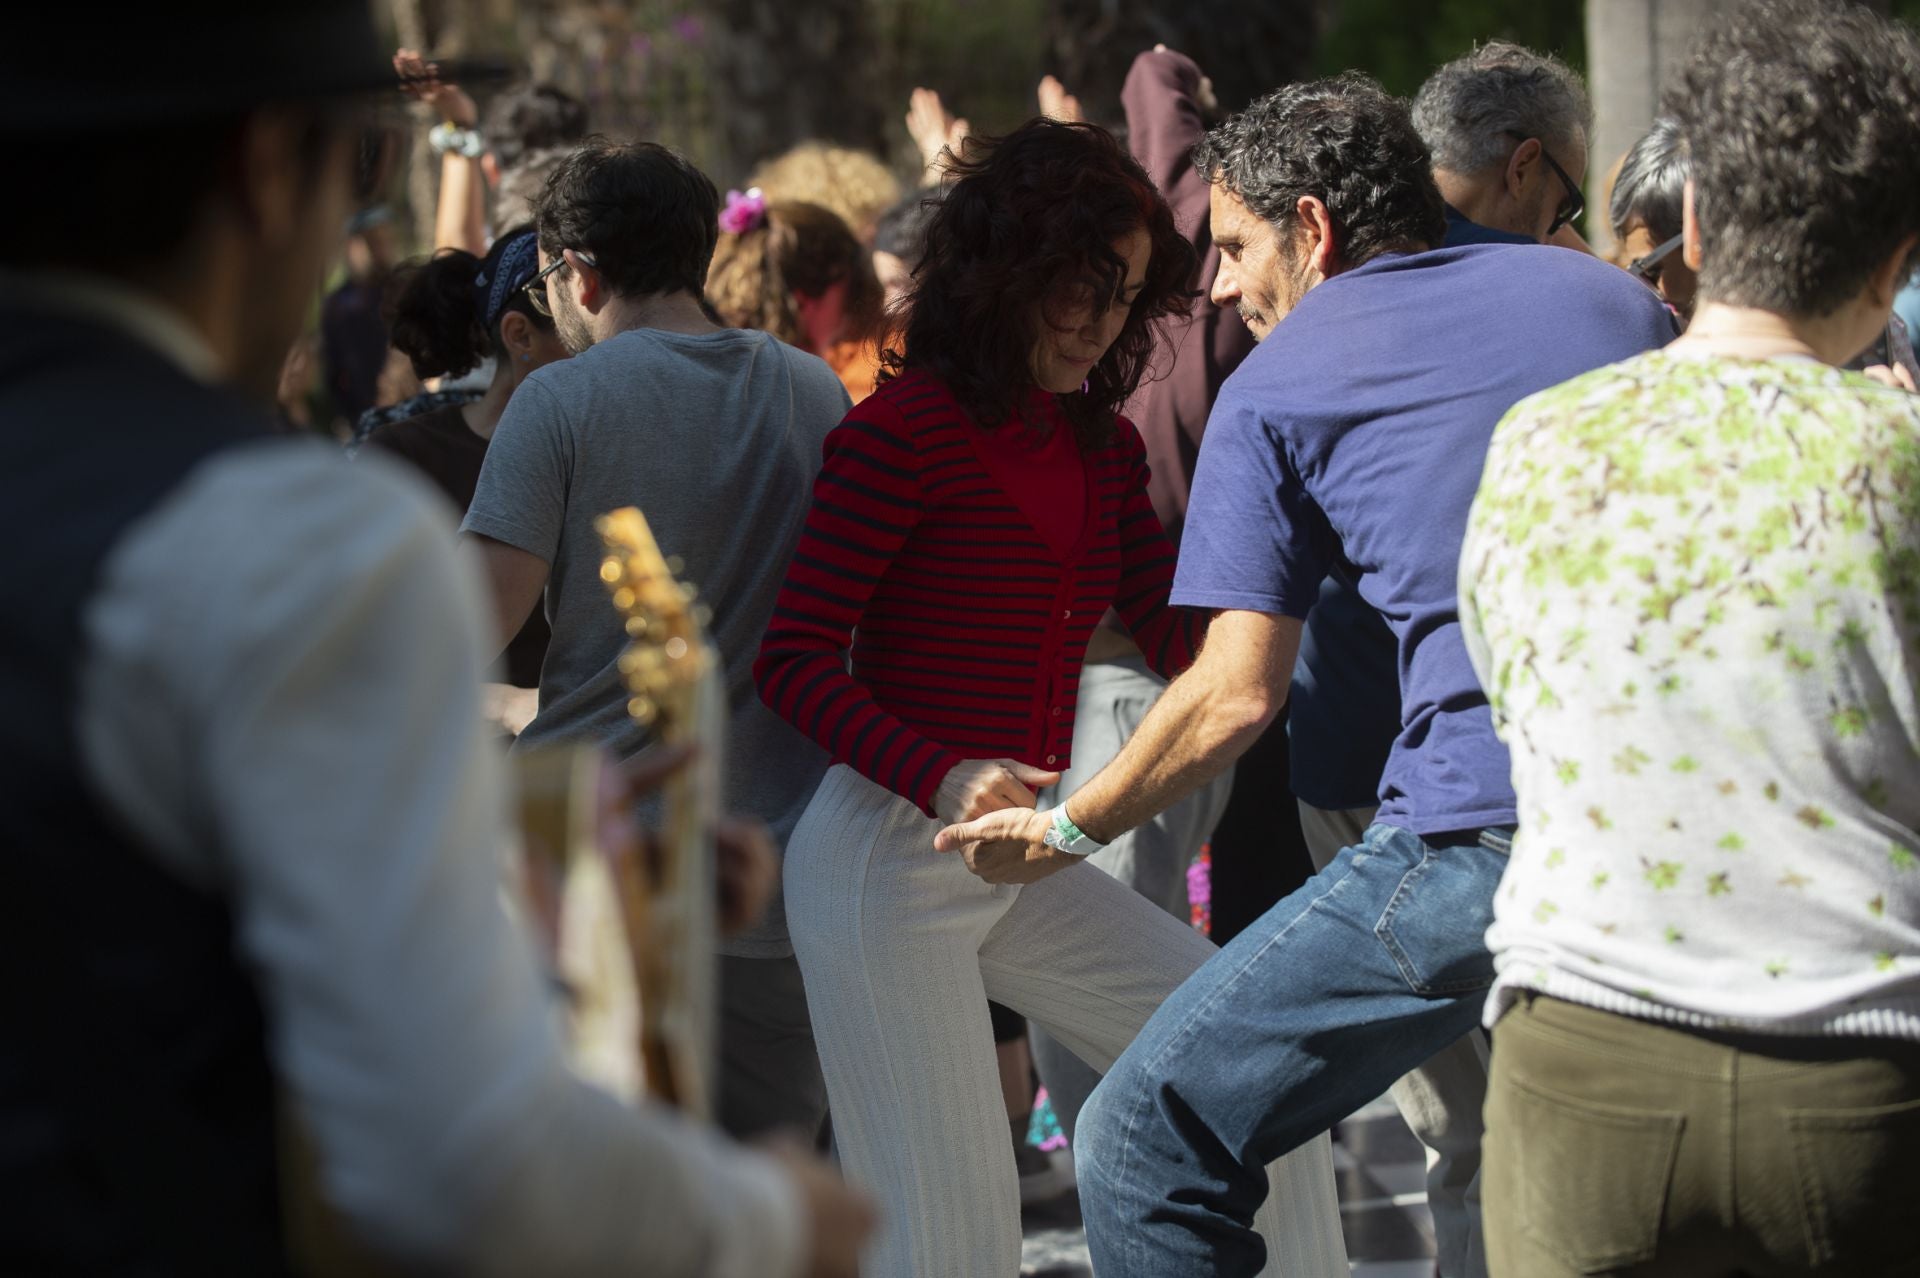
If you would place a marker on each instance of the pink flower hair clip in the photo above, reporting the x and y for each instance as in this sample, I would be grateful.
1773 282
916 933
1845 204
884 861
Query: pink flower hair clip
744 212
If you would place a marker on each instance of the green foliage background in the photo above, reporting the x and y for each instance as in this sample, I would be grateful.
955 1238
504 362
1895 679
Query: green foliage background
1400 43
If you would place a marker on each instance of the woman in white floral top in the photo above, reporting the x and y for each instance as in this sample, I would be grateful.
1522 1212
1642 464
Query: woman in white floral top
1691 587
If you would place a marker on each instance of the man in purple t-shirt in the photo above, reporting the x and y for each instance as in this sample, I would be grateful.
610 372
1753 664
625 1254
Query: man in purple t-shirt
1354 436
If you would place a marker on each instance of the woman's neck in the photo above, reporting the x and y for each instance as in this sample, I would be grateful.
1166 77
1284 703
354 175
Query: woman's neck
1747 332
483 414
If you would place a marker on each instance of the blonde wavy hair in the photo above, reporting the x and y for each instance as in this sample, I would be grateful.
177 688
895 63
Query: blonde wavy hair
794 248
853 184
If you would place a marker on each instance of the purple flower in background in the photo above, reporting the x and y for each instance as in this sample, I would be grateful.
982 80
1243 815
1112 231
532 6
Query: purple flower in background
743 213
641 45
689 28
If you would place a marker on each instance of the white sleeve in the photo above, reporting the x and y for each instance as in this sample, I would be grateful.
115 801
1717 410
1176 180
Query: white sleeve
282 692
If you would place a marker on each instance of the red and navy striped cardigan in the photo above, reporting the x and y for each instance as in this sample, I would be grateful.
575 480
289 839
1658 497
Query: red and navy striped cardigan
966 631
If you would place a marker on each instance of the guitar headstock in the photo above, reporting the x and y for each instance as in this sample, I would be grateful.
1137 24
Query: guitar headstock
668 655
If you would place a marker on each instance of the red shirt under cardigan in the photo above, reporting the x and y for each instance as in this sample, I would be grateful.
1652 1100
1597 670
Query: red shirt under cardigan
966 630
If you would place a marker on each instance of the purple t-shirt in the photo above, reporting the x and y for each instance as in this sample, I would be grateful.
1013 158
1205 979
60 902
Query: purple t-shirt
1357 432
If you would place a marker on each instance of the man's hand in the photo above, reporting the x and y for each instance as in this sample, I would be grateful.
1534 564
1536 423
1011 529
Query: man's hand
748 870
420 80
936 131
1056 103
1005 846
839 1218
976 787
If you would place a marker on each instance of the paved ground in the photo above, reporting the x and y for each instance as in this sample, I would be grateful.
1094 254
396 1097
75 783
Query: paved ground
1383 1206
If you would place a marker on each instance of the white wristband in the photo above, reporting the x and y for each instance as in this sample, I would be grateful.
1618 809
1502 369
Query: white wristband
1064 836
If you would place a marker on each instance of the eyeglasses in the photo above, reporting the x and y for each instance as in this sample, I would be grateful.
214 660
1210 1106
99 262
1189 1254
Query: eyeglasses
1647 269
536 288
1576 202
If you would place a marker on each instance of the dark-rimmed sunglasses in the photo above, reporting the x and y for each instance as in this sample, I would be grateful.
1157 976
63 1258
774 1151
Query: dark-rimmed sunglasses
536 288
1576 202
1647 269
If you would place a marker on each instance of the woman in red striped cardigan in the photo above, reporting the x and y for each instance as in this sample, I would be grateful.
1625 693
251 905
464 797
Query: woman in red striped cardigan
973 521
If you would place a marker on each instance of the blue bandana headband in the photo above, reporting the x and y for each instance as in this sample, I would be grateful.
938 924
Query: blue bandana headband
518 263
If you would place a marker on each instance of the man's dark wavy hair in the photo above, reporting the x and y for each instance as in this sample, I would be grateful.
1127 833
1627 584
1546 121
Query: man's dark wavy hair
644 213
1803 123
1347 142
1028 222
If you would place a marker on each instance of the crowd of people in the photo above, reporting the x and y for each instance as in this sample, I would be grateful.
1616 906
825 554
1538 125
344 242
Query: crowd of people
1532 638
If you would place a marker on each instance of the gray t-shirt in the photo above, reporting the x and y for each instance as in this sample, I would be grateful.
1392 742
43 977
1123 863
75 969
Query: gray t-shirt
716 437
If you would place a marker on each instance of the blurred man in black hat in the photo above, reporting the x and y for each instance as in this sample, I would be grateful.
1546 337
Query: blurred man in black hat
253 827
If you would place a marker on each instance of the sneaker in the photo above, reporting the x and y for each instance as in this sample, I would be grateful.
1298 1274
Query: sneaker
1044 1175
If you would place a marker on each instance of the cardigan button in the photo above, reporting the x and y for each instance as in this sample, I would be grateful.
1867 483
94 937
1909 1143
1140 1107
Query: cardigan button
1056 712
1067 615
1052 757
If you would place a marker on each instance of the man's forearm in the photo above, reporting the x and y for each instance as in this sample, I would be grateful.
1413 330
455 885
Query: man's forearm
1206 719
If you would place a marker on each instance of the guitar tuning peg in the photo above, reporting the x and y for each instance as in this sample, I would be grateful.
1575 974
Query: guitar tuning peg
689 591
703 615
642 709
676 565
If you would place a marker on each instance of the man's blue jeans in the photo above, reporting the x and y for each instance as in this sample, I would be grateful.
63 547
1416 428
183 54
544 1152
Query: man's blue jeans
1378 962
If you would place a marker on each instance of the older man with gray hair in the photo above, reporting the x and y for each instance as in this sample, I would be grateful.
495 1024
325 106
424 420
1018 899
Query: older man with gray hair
1508 129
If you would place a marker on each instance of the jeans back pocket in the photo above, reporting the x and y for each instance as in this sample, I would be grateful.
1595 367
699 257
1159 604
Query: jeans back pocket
1435 924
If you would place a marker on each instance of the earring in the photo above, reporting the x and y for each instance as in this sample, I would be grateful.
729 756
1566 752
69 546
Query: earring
526 359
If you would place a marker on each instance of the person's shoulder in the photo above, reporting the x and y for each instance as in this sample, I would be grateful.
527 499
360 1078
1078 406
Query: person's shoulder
311 482
443 423
266 528
1604 390
811 375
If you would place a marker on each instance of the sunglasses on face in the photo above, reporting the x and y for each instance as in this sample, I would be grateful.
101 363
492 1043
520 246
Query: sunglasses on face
1576 202
536 288
1647 269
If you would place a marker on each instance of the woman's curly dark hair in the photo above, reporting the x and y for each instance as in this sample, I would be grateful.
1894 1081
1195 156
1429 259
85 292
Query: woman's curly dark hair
1028 223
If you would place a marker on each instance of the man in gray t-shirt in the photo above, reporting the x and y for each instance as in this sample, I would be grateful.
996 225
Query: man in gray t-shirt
715 434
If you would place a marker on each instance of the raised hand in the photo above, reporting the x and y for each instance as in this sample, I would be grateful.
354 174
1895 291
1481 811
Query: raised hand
420 80
935 130
1056 103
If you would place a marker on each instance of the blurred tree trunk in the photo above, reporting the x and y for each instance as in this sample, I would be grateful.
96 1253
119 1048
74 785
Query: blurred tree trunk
1247 49
1633 49
783 72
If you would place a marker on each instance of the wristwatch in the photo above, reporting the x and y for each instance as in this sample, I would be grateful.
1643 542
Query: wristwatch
445 137
1064 836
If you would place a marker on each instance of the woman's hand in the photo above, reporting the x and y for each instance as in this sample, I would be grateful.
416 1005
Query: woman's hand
936 131
976 787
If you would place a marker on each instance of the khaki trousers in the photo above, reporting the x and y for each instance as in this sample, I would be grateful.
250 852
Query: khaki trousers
1620 1146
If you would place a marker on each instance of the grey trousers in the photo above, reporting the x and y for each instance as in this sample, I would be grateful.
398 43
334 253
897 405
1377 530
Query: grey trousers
769 1071
1441 1101
1152 859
